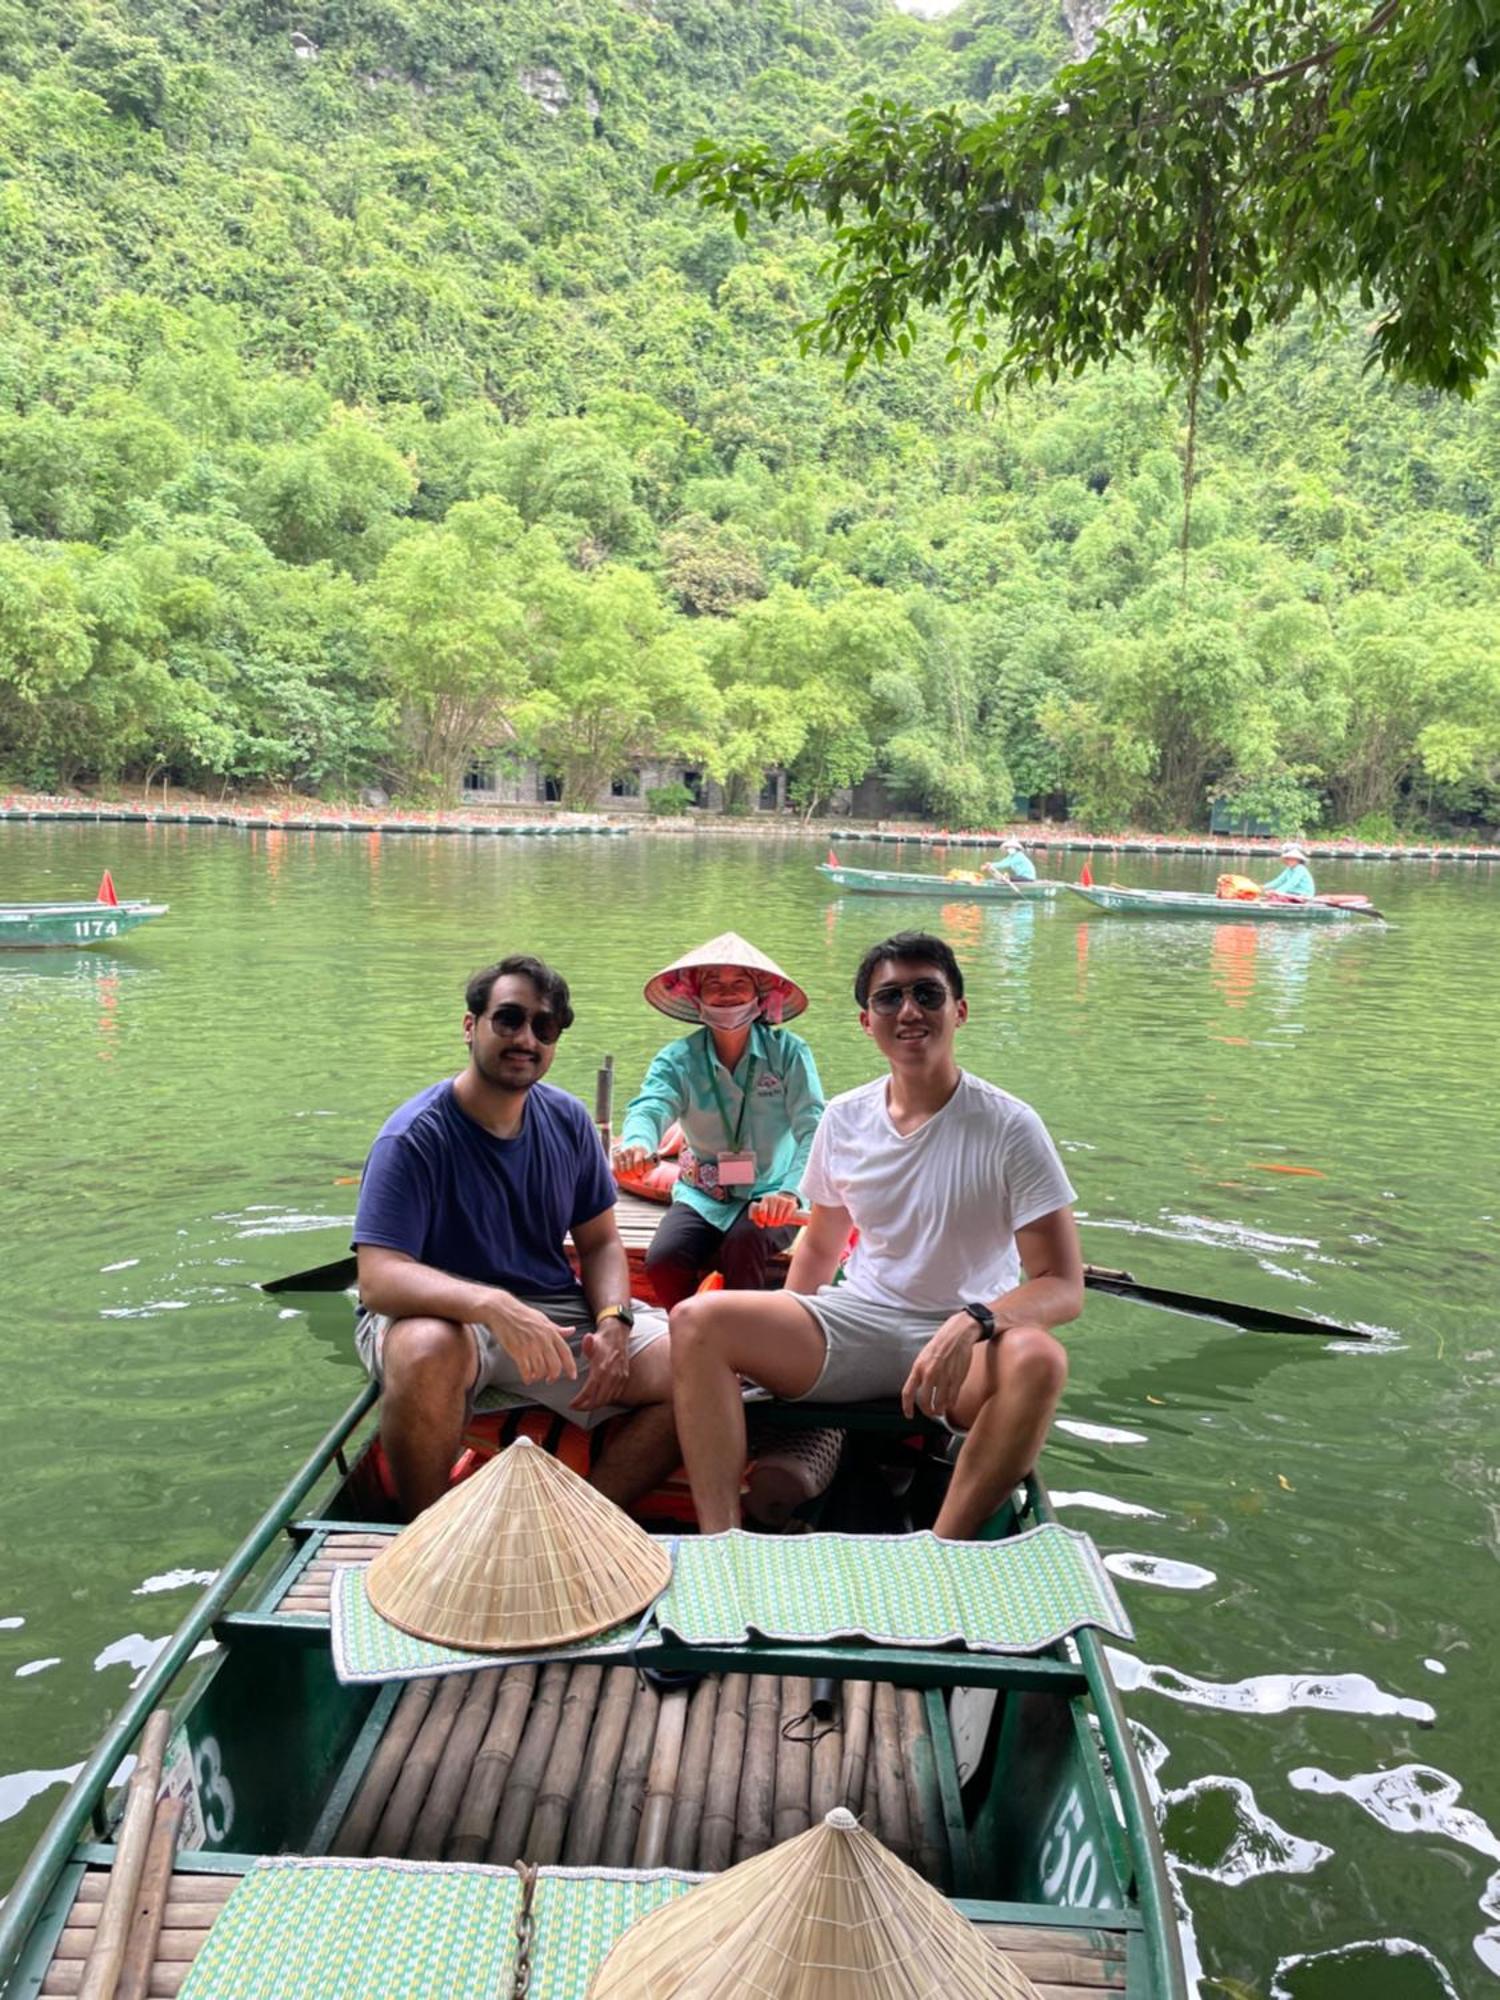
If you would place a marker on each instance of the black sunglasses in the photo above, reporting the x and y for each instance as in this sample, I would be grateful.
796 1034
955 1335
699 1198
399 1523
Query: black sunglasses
511 1018
931 995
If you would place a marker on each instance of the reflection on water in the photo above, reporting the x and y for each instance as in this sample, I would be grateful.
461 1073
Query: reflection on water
1415 1798
1217 1830
1393 1968
1319 1538
1269 1694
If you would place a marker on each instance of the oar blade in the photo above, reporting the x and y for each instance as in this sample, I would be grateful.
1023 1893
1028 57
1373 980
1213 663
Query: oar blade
1249 1319
335 1277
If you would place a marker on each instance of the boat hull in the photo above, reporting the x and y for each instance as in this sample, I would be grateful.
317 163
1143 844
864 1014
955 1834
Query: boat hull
1118 902
70 926
1006 1804
887 882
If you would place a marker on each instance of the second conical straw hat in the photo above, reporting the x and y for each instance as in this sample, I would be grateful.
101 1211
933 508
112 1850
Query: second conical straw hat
524 1554
831 1915
674 990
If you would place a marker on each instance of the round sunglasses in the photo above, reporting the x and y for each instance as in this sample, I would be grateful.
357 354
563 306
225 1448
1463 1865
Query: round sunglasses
510 1018
931 995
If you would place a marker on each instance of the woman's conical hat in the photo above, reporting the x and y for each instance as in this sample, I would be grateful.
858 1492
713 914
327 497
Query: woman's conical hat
674 990
831 1915
523 1554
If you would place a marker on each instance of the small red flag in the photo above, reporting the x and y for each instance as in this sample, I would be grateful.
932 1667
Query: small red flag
107 890
1085 877
833 860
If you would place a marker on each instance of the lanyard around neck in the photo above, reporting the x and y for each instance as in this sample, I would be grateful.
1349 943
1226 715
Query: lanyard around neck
713 1084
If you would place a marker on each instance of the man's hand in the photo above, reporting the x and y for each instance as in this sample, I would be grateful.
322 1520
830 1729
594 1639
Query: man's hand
939 1371
773 1211
531 1340
608 1355
629 1159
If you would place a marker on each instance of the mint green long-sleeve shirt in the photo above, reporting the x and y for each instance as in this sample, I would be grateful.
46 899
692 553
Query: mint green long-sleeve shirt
1294 880
778 1122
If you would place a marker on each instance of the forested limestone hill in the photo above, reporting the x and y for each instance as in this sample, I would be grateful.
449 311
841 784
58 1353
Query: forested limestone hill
363 408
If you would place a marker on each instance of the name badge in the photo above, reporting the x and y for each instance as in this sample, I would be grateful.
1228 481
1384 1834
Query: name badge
737 1170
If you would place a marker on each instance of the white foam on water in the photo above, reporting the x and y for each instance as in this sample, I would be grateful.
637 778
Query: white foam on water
1098 1433
173 1579
1160 1570
1106 1503
1255 1846
1268 1694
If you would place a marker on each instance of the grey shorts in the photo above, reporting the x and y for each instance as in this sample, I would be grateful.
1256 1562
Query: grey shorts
497 1381
871 1347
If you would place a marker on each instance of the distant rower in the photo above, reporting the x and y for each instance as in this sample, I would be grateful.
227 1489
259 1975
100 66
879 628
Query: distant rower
1014 862
1295 878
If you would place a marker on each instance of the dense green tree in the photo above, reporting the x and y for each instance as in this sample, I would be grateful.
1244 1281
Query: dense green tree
362 405
619 678
453 631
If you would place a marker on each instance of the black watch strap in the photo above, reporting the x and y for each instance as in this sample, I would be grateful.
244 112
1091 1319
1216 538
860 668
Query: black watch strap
982 1317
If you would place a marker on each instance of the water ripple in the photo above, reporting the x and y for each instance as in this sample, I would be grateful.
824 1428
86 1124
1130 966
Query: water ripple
1160 1570
1365 1961
1418 1798
1220 1817
1269 1694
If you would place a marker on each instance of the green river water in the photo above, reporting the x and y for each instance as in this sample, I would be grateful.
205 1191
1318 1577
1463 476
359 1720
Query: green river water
1305 1533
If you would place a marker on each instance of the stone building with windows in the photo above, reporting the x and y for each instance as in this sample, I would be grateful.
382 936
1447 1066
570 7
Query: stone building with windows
502 778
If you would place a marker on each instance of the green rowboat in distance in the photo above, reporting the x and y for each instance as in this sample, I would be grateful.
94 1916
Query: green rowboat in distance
888 882
1120 902
70 926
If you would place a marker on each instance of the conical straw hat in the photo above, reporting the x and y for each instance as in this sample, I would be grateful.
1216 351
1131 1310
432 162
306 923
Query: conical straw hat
523 1554
831 1915
674 990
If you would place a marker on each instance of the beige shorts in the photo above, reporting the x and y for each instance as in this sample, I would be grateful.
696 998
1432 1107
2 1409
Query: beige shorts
497 1382
871 1347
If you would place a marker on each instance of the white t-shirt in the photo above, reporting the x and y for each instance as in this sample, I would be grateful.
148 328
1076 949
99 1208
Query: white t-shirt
938 1210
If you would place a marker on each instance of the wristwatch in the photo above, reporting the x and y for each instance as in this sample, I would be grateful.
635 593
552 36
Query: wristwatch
983 1318
622 1313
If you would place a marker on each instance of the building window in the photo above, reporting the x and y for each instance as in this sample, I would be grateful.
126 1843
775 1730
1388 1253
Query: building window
479 778
694 782
552 789
626 786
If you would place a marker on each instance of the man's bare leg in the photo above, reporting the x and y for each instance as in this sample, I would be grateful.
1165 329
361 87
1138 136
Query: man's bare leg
426 1366
716 1338
1006 1404
643 1450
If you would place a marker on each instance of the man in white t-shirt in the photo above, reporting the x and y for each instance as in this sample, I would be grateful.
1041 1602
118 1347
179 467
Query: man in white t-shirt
954 1187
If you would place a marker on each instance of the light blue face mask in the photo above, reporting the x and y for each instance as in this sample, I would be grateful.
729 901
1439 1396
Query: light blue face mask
738 1014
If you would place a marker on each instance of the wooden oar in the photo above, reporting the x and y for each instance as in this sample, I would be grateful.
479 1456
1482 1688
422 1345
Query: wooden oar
339 1275
1249 1319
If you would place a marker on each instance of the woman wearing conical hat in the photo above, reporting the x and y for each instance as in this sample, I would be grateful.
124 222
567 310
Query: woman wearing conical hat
1295 878
748 1098
1014 864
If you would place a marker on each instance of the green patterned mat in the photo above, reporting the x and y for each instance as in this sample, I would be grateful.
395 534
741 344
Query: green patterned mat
1019 1596
367 1647
409 1930
1016 1596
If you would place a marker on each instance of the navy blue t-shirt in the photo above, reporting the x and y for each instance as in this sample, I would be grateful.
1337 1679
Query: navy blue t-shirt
443 1190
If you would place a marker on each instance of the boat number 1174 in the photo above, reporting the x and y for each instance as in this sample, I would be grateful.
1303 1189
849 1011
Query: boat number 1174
96 927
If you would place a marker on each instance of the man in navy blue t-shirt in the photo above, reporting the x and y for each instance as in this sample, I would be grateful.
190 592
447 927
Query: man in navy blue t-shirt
464 1282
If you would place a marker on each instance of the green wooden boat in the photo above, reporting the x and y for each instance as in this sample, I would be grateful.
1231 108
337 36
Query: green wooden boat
887 882
1121 902
73 926
1015 1785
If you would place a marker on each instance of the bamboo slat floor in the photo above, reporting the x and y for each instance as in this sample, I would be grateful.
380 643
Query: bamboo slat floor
1061 1964
307 1592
